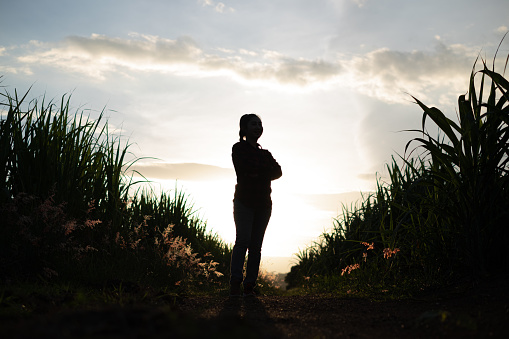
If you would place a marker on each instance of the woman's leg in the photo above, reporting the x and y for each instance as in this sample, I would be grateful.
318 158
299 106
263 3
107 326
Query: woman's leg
260 222
243 217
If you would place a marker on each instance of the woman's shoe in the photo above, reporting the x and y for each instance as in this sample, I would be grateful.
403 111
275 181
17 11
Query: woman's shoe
235 290
249 290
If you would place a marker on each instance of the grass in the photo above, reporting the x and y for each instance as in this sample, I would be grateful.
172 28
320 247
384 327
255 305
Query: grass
441 216
71 211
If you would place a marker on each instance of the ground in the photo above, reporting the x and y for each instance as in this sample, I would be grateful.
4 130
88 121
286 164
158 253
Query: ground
481 311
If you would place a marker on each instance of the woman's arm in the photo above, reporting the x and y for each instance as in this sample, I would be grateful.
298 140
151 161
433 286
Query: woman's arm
255 163
275 171
245 164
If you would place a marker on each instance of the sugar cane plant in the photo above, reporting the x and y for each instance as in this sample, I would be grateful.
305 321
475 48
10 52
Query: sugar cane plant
443 213
70 209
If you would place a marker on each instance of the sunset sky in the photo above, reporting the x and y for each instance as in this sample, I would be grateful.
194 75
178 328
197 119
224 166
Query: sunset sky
331 80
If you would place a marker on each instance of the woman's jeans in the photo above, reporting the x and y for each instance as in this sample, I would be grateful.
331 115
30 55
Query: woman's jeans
250 224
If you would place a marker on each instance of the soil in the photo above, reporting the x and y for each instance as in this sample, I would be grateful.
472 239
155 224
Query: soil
477 312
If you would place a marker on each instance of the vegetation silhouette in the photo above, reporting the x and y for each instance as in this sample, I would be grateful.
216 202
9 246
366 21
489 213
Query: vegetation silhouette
71 216
443 214
72 211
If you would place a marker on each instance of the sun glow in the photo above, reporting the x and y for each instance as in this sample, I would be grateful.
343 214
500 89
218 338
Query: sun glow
293 226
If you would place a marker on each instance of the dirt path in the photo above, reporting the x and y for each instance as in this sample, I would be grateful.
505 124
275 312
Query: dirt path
482 312
323 317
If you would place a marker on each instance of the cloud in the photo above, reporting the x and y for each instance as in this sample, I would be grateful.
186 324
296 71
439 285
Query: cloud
183 171
98 54
286 71
371 177
383 74
502 29
359 3
218 7
332 202
15 70
5 68
389 75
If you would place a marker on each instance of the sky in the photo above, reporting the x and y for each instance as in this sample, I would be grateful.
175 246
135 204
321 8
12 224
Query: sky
332 81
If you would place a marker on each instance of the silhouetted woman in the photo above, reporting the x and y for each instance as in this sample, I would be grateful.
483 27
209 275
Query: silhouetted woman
252 206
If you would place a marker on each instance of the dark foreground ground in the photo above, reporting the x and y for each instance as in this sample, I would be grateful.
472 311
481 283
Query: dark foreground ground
480 311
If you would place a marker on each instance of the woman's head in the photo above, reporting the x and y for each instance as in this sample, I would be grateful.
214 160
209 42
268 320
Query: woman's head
250 127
